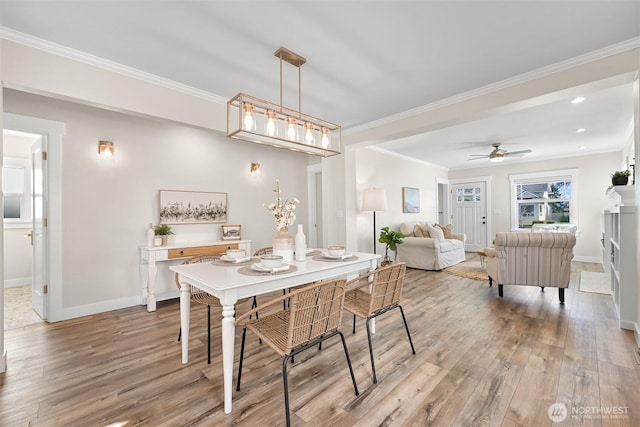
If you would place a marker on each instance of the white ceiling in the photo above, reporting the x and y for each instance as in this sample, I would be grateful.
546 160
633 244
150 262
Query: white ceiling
366 60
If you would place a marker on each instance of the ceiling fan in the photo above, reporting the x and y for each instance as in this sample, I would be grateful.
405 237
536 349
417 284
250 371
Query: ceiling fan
498 154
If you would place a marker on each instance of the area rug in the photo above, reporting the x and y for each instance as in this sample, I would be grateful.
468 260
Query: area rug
593 281
469 270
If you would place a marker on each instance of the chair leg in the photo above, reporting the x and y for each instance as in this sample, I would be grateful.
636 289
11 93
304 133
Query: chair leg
346 353
500 291
406 327
490 281
561 295
179 333
285 383
373 365
354 324
244 335
208 334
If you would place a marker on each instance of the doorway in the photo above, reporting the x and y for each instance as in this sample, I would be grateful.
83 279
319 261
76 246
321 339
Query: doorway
45 207
314 190
17 181
470 201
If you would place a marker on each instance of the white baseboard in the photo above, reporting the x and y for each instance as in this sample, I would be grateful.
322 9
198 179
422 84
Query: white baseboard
12 283
99 307
592 259
3 361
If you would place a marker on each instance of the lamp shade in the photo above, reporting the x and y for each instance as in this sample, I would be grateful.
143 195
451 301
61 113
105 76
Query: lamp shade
374 199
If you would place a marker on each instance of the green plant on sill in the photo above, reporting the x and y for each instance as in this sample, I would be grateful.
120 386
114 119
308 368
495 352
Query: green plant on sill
620 174
390 238
162 230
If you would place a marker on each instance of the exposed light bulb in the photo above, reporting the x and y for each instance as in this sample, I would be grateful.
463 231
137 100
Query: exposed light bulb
271 128
249 120
292 128
325 137
308 134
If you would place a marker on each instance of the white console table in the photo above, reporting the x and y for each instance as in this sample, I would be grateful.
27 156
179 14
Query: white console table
150 255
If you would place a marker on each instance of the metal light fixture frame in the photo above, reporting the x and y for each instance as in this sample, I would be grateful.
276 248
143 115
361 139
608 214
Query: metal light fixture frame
242 102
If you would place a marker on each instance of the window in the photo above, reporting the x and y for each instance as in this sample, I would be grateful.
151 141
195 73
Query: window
16 186
544 198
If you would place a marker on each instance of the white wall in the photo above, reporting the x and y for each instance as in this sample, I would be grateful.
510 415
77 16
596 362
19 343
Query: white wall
593 181
107 207
380 169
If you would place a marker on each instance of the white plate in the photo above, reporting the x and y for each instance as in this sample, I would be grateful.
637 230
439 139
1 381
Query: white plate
260 267
227 259
345 255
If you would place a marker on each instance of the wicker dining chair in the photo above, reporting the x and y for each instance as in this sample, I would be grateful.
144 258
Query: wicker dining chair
263 251
314 315
199 296
383 295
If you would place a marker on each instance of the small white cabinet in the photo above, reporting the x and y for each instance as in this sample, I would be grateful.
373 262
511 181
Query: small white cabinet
620 237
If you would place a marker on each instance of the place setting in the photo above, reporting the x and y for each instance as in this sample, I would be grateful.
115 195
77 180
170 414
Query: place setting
269 264
234 257
335 254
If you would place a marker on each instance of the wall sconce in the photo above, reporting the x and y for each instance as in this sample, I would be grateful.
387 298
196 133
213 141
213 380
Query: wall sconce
105 149
255 169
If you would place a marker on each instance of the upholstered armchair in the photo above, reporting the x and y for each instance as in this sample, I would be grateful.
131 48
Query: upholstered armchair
531 259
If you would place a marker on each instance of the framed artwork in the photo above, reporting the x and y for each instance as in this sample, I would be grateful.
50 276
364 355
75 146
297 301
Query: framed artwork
231 231
192 207
410 200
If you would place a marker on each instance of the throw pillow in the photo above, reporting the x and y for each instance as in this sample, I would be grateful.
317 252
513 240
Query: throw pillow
446 229
436 233
420 230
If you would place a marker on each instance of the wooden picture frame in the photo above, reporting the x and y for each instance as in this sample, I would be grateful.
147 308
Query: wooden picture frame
410 200
192 207
231 231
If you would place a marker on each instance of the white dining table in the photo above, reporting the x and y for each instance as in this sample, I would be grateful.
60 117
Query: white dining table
227 284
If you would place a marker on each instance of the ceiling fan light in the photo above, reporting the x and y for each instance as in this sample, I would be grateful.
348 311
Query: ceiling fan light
496 159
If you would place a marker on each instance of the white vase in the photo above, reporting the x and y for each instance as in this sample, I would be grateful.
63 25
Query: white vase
301 245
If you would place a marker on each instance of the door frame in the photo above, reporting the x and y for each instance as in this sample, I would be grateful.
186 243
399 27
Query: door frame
445 195
53 131
488 201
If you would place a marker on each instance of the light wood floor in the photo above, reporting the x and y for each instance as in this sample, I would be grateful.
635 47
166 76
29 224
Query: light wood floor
480 360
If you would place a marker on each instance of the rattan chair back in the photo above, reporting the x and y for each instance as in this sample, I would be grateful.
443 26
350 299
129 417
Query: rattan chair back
315 310
263 251
198 295
386 287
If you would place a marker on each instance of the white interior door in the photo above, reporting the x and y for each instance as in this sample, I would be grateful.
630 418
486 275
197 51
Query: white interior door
39 204
469 216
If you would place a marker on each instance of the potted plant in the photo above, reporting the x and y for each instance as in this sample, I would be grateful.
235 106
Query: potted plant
392 239
620 177
163 230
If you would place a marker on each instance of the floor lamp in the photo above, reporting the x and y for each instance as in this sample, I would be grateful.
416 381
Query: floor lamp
374 199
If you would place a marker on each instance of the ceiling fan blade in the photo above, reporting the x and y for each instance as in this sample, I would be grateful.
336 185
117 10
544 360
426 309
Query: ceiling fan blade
517 153
478 157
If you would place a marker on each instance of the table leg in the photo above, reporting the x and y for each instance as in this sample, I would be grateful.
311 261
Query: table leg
185 315
228 338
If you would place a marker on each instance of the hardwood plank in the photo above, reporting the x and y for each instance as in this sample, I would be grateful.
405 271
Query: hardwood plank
481 360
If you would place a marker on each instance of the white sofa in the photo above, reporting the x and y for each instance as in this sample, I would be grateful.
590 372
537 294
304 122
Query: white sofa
428 253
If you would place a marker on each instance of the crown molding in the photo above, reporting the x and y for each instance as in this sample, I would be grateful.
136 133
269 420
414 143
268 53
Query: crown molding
617 48
76 55
405 157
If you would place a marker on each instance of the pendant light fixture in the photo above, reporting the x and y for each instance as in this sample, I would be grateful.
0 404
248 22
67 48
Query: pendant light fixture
253 119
